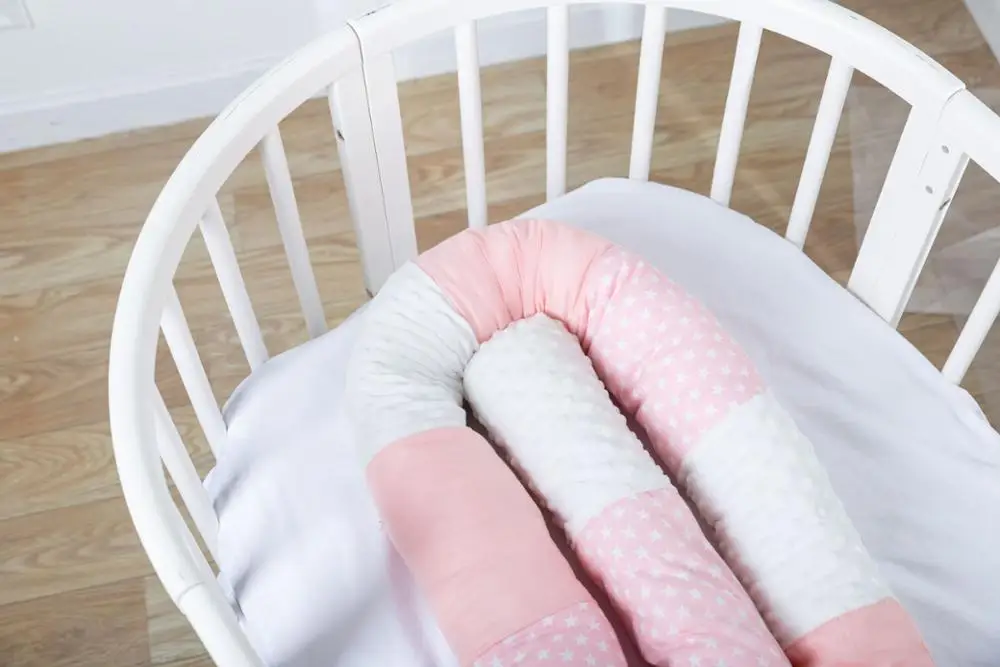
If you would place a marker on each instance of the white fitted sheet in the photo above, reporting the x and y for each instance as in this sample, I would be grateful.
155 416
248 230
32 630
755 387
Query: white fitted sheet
911 456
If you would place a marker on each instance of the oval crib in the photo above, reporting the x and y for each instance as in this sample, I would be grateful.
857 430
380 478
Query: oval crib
946 127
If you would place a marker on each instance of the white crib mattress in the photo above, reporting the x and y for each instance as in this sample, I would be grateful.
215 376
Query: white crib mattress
911 456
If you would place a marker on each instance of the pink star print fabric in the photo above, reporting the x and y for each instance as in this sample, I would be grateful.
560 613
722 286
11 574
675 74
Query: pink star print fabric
664 355
683 604
576 637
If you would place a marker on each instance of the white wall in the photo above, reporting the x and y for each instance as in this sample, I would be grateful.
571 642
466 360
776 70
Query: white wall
986 13
92 67
95 66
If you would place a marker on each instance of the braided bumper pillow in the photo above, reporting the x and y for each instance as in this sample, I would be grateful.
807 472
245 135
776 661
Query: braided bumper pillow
534 322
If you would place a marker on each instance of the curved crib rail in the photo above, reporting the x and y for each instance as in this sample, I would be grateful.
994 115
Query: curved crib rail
148 301
353 66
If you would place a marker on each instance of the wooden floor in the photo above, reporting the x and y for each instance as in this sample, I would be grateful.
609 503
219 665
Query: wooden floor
75 588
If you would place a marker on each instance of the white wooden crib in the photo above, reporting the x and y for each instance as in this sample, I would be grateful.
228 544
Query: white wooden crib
947 126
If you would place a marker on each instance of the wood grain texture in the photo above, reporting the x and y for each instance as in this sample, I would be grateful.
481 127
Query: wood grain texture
198 661
67 549
75 587
171 638
101 625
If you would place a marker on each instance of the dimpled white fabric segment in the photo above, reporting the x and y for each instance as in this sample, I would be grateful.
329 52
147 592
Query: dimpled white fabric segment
538 394
802 561
408 378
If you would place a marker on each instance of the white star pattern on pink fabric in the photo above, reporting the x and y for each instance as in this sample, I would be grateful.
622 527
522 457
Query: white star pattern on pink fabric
682 603
710 373
579 636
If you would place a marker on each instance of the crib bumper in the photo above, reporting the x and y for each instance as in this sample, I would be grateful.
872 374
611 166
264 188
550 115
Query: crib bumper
587 312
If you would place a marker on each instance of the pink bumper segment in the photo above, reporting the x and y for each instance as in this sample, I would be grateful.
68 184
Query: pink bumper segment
579 636
879 635
663 354
514 270
475 541
681 601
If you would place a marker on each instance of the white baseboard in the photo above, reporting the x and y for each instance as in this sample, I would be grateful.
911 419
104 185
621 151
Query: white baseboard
59 119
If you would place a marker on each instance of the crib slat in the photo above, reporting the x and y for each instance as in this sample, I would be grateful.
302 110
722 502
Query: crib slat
279 183
178 463
359 167
234 290
387 128
647 94
918 190
981 319
734 117
471 108
556 101
192 372
831 105
218 627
